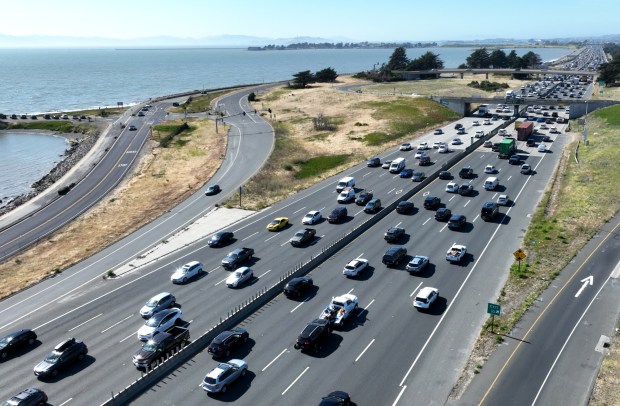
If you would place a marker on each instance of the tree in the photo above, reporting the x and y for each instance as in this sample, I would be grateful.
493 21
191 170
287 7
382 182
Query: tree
478 59
426 61
398 60
531 60
513 60
302 79
326 75
610 72
498 59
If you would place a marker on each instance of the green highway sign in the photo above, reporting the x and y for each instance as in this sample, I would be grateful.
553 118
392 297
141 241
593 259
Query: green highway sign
494 309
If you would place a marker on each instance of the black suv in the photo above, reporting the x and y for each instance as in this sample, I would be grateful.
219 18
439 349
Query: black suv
297 286
338 215
220 238
226 341
514 160
466 172
489 211
432 202
64 354
443 214
313 335
28 397
457 221
363 198
404 207
445 175
531 142
394 256
393 234
15 341
373 162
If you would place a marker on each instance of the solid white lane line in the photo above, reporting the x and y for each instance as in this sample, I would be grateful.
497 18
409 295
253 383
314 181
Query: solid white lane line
274 360
494 196
296 379
416 289
450 199
251 235
359 256
362 353
66 401
117 323
129 336
391 191
295 212
399 223
399 395
223 280
427 220
80 325
366 308
366 174
265 273
351 290
477 215
508 178
361 211
215 269
284 243
466 203
443 228
297 307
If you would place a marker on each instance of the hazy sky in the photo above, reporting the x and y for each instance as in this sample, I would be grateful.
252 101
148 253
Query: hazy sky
359 20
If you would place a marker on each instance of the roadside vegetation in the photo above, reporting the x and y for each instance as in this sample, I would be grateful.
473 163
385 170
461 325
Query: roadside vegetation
164 178
577 202
59 126
198 104
311 145
488 86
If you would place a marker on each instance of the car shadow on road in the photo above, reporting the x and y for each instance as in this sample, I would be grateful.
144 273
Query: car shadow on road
237 389
328 347
364 275
427 272
243 350
437 308
505 219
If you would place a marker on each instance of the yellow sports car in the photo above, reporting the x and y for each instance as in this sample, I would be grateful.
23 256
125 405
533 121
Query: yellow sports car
277 224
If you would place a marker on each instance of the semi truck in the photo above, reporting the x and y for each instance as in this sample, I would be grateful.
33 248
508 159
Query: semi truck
506 148
524 130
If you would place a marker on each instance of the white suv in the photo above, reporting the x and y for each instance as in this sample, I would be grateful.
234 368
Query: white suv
347 195
186 272
426 297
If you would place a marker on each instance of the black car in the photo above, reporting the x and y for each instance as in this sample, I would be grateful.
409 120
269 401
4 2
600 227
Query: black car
297 286
363 198
336 398
64 354
338 215
432 202
373 162
15 341
466 189
489 211
29 397
514 160
212 190
466 172
443 214
394 256
313 335
495 147
302 237
458 126
424 160
394 234
404 207
220 239
456 222
227 341
531 142
445 175
418 177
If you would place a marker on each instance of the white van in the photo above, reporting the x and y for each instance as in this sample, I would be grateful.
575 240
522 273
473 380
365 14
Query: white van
397 165
348 181
491 183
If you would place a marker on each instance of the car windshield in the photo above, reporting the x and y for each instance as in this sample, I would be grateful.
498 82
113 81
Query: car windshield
274 223
4 342
152 303
153 322
149 347
52 358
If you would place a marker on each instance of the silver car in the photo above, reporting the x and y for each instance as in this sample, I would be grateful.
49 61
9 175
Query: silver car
157 303
224 374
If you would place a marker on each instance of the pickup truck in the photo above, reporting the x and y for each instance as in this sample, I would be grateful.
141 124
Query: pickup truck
340 309
456 253
237 257
159 345
302 237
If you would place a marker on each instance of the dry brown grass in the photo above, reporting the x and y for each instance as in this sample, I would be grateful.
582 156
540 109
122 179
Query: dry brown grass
164 178
606 391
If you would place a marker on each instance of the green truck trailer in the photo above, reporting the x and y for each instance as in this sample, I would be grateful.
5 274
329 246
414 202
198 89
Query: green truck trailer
507 147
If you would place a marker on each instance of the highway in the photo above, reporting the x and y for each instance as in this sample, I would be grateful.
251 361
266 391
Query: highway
380 355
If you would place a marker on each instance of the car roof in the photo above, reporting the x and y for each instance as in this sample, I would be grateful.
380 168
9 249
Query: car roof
161 295
192 263
426 291
160 315
17 333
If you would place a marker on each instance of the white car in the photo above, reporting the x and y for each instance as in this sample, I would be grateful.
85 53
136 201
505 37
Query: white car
224 374
354 267
486 121
419 154
457 141
543 126
503 200
502 132
479 134
438 131
340 308
159 322
312 217
443 149
425 297
423 146
347 195
239 277
490 169
405 147
452 187
542 147
437 144
186 272
475 123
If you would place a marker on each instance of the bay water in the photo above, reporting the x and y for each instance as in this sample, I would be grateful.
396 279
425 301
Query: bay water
54 80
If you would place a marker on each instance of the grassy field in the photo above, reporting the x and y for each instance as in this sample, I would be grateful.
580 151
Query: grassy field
608 93
198 104
59 126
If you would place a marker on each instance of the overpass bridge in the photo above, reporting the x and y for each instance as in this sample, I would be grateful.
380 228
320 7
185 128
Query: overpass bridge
578 108
436 73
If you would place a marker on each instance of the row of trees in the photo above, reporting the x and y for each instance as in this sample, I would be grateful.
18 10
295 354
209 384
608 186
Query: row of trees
482 58
610 72
304 78
400 61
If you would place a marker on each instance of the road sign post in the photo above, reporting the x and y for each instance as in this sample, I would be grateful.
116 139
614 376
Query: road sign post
494 310
519 256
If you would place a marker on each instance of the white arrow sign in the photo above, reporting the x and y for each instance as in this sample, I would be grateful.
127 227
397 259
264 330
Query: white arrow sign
586 281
